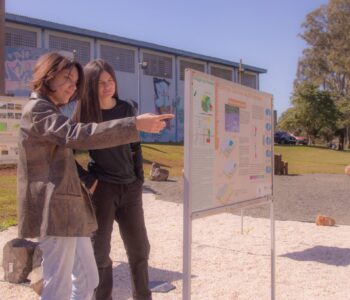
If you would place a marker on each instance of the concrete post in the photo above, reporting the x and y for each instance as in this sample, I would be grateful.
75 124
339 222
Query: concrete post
2 47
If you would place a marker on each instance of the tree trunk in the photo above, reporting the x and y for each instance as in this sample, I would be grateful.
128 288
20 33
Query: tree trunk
341 140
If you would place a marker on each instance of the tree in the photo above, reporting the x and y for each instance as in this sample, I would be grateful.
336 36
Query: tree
326 60
315 111
288 120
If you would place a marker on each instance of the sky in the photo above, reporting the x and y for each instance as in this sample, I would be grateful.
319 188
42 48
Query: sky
263 33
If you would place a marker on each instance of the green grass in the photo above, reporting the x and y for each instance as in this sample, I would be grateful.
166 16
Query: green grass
307 160
8 212
168 156
301 160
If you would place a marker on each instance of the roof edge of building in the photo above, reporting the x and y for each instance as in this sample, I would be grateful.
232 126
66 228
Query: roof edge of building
24 20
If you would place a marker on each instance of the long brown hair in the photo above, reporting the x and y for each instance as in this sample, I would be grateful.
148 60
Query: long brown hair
48 66
88 108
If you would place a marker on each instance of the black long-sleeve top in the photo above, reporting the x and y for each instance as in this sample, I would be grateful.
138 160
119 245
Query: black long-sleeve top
122 164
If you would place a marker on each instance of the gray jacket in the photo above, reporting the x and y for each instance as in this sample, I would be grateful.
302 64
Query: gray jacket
50 199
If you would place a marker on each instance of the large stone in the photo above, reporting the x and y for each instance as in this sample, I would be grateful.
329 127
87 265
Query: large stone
17 260
324 221
347 170
157 173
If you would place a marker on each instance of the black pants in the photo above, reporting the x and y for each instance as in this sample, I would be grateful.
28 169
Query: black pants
122 203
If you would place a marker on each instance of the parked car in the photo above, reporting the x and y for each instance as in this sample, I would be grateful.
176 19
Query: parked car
301 140
282 137
277 136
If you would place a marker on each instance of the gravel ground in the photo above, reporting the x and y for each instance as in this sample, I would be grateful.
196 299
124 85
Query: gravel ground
297 198
312 262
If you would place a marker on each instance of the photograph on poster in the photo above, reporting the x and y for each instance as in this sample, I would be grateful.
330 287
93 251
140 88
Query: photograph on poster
231 118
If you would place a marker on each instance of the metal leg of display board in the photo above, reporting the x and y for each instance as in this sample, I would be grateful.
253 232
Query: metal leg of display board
187 242
273 250
186 282
187 250
242 221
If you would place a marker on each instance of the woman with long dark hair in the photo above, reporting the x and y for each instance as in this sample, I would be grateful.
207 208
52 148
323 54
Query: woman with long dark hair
116 177
50 198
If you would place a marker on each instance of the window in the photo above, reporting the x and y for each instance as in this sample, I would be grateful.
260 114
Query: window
81 48
249 79
221 72
158 66
15 37
121 59
189 64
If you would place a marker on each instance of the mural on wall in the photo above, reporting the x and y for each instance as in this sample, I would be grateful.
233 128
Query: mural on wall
19 63
174 131
162 98
180 118
162 105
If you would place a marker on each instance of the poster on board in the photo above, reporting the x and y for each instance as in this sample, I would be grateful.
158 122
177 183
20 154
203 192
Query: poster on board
10 115
228 142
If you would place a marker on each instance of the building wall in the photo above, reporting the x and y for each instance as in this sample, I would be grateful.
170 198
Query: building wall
157 89
124 60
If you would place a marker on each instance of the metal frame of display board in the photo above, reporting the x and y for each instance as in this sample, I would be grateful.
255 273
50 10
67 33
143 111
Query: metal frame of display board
189 216
187 235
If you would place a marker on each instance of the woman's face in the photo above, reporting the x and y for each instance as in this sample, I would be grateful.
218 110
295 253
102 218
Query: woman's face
64 85
106 87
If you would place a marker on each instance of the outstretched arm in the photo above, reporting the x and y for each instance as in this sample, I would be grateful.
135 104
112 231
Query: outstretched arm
46 122
152 123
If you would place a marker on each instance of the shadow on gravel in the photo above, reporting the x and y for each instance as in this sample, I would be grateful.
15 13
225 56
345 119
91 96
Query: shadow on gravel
326 255
122 285
170 190
147 189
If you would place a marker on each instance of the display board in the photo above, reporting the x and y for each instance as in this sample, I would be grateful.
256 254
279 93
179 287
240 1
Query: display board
10 115
228 142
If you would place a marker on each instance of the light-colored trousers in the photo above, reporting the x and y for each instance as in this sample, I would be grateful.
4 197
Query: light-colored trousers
69 268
